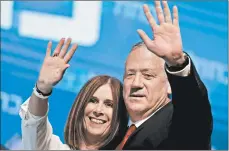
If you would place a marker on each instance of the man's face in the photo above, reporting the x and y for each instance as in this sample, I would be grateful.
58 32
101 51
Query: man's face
145 82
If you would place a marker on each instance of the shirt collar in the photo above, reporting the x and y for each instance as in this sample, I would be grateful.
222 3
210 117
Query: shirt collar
140 122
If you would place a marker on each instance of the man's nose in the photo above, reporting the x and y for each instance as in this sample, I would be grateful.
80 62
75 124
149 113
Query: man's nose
137 82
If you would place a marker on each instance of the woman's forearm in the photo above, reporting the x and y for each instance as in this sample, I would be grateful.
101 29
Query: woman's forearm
39 106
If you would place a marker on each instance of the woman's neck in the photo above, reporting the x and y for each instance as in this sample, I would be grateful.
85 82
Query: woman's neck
92 143
83 146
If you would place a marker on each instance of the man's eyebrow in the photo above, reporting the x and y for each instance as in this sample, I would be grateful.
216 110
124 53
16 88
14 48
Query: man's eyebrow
142 70
131 70
147 69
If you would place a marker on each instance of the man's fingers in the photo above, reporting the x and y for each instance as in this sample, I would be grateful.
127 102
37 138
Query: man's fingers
49 48
70 53
149 16
167 13
65 48
66 66
159 12
175 16
148 42
59 46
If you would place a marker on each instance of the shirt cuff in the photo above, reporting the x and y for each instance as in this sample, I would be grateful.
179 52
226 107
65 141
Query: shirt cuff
184 72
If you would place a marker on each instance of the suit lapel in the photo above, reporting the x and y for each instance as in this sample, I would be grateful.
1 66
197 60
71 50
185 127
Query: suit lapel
150 125
133 134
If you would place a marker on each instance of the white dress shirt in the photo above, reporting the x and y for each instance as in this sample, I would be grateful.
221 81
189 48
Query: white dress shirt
37 132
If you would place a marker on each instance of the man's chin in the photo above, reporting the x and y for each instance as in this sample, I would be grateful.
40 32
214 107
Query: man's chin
136 109
136 99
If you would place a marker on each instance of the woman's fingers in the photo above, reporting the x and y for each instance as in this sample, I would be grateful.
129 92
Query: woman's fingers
58 47
49 48
65 48
62 53
70 53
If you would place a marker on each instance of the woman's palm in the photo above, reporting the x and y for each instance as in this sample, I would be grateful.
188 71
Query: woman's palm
54 66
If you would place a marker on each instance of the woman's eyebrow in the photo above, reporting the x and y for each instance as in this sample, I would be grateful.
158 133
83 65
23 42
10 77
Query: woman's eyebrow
108 100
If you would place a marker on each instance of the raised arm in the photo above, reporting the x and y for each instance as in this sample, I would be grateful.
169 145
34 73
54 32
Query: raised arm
37 133
51 73
192 118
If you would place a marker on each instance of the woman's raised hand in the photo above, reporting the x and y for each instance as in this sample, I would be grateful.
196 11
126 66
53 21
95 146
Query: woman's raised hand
54 66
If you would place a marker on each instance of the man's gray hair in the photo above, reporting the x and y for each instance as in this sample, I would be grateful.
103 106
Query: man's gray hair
138 44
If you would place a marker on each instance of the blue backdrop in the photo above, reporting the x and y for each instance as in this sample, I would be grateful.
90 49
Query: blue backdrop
105 32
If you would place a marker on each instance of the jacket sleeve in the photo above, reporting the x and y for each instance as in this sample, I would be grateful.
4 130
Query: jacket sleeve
191 125
37 132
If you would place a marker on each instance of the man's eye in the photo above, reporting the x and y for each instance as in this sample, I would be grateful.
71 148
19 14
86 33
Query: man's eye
148 76
130 74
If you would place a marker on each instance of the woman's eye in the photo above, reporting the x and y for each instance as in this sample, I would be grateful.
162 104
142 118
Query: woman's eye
109 104
93 100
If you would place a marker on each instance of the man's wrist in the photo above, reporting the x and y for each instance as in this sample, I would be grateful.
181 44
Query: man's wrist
181 64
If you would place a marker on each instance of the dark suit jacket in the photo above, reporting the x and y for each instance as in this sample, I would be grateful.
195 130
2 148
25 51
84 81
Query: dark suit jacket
185 123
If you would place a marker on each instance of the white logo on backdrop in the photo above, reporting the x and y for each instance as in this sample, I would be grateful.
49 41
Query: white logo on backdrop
6 14
10 103
83 27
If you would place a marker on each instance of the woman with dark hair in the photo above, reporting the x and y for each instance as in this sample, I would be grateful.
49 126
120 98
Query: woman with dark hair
97 119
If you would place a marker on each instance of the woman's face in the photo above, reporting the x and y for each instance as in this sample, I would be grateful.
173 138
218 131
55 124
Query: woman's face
98 112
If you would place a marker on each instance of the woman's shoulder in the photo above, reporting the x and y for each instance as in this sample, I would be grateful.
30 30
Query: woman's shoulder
65 147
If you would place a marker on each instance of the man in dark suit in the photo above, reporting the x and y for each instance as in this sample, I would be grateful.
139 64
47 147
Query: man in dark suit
154 69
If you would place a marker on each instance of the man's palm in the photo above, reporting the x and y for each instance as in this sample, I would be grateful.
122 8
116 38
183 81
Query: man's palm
167 39
167 42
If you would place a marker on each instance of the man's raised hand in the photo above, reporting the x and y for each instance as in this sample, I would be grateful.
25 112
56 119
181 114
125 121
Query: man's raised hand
167 42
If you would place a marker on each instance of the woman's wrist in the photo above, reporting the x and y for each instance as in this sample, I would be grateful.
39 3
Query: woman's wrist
44 87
